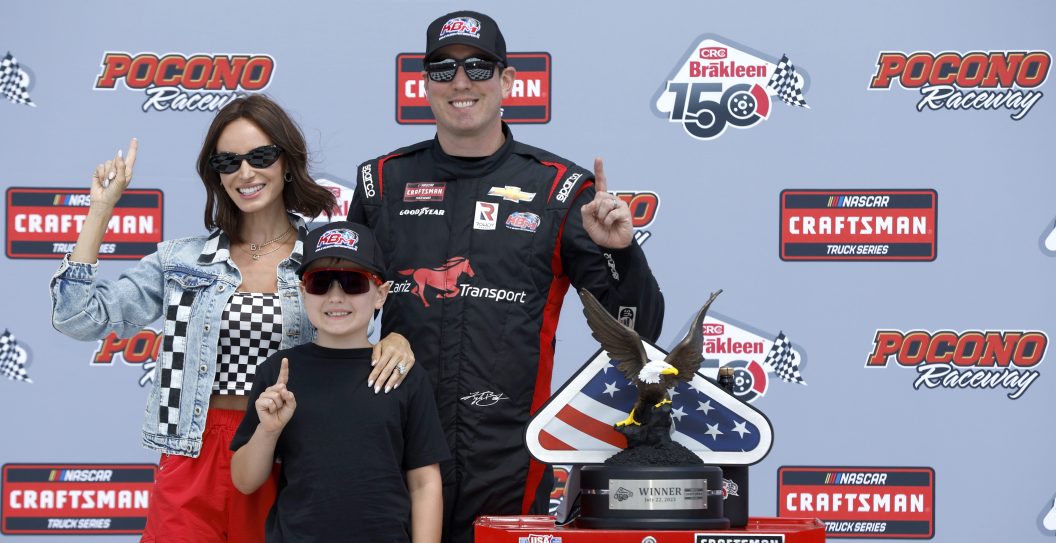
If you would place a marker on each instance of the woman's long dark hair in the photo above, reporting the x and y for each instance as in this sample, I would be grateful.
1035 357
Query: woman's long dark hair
302 194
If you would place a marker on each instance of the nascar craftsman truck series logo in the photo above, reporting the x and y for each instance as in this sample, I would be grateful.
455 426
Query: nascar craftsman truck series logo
76 498
45 222
858 224
861 502
977 80
718 84
179 82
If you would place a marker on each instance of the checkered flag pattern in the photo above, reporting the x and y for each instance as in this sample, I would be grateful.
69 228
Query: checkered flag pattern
788 84
14 81
250 332
12 358
177 315
784 362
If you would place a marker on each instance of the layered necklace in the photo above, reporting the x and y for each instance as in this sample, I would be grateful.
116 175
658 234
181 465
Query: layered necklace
254 247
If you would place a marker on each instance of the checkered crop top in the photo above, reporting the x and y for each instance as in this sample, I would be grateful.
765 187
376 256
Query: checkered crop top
250 331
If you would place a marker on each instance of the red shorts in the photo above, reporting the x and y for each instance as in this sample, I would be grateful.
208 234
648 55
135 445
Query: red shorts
194 499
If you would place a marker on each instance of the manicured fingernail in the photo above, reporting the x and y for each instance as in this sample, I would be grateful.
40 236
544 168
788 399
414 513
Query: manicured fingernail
373 363
387 389
119 151
397 386
377 389
370 383
111 175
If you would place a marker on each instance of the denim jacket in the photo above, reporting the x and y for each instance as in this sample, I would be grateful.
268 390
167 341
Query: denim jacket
187 282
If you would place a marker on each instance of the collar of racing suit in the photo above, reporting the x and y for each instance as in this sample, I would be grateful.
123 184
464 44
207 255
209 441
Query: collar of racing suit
450 167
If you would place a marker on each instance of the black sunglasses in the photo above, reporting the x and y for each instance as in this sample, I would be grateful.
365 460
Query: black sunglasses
318 281
477 69
261 157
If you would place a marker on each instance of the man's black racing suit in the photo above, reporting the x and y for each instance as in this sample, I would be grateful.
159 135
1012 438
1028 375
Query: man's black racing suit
481 252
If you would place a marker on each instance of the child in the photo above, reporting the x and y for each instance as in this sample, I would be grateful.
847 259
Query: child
345 451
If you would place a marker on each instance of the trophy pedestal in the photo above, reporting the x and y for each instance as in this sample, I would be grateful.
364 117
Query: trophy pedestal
542 529
651 497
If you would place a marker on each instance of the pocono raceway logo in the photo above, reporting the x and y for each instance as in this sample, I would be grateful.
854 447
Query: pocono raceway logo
141 350
719 84
528 103
978 359
52 499
179 82
861 502
858 224
976 80
45 222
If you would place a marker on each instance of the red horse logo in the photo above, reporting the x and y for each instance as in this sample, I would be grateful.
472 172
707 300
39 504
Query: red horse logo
443 278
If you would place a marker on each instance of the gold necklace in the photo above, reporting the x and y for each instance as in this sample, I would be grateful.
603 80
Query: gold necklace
256 256
255 247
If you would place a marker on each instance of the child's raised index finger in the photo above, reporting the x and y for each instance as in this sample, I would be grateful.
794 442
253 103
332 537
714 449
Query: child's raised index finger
284 372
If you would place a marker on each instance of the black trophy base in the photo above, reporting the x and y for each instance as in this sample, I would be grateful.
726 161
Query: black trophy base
651 498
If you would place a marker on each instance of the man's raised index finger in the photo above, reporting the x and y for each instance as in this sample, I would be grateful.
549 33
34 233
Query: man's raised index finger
600 183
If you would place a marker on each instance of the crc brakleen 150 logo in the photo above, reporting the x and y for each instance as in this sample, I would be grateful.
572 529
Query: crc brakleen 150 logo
953 80
76 498
858 224
719 83
528 103
977 359
45 222
860 502
179 82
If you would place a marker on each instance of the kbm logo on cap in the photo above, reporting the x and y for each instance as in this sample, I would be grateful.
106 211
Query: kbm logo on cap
460 26
341 237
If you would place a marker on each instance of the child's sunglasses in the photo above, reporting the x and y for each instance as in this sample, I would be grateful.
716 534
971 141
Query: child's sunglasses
261 157
477 69
318 281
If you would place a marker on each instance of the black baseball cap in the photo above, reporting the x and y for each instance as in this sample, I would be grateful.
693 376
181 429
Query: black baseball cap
345 240
470 28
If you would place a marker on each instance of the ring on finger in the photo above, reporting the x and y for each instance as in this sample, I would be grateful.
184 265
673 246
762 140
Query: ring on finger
401 368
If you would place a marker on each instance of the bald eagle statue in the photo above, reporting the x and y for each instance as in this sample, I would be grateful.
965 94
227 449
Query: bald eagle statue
652 377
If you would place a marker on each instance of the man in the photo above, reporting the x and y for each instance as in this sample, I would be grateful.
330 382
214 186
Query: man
483 236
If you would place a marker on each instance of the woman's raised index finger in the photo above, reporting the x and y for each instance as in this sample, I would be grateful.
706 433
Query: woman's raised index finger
130 160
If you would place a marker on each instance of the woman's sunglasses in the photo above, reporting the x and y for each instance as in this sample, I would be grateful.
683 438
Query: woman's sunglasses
318 281
261 157
477 69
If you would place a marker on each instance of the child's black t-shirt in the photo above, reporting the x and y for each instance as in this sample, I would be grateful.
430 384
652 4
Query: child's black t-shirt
345 450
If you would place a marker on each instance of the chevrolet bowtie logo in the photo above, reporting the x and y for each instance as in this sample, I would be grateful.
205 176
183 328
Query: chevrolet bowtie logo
513 194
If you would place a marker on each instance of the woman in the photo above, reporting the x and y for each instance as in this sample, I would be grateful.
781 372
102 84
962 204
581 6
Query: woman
228 301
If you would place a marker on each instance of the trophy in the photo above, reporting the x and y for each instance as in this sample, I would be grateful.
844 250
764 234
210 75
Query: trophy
654 482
